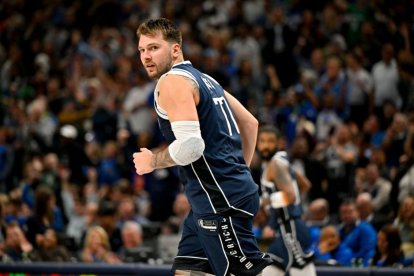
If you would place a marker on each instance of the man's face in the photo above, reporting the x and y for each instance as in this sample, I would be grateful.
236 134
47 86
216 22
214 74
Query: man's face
131 238
348 214
155 54
267 145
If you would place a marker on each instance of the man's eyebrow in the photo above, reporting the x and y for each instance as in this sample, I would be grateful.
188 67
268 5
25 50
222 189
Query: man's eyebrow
149 45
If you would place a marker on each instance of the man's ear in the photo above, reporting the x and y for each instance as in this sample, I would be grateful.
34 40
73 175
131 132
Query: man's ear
176 50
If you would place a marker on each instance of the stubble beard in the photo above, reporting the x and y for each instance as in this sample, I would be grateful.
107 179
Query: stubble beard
162 68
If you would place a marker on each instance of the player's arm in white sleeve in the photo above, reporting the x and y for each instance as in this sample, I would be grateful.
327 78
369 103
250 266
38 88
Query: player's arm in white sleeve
248 126
179 97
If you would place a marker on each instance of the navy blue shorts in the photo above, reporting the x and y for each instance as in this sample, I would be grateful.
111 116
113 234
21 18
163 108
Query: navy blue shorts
288 249
219 245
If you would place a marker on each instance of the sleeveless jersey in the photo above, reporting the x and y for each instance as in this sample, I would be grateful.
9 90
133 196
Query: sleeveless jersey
219 182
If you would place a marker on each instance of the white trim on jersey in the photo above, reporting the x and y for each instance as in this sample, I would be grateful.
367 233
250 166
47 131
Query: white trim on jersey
191 257
235 235
174 71
211 78
225 255
199 181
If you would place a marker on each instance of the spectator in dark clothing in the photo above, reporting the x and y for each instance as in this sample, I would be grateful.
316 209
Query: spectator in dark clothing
313 169
46 215
72 155
388 252
357 234
16 247
49 249
280 40
6 162
107 219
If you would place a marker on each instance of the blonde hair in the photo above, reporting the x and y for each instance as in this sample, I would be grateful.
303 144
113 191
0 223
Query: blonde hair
101 233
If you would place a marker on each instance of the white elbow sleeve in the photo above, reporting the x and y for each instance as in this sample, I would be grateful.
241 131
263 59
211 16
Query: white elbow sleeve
189 145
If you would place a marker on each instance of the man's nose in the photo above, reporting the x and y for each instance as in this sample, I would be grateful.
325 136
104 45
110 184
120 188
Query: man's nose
146 55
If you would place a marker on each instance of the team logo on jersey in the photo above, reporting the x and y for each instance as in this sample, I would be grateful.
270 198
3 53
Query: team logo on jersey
210 225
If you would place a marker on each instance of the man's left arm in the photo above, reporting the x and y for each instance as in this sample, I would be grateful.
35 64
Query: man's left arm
248 126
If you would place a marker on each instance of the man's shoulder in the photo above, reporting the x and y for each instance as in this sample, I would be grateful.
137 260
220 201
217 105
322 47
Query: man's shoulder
366 227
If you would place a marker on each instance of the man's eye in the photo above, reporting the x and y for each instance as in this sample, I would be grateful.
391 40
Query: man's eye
154 48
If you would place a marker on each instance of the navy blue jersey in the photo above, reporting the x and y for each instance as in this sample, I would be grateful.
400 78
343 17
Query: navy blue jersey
220 181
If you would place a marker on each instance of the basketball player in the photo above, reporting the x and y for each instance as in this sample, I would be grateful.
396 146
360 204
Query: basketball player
212 137
281 188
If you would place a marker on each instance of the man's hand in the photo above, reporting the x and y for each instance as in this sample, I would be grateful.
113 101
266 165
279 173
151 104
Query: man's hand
143 161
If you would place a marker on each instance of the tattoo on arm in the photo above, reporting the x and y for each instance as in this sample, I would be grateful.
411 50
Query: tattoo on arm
162 159
193 83
282 177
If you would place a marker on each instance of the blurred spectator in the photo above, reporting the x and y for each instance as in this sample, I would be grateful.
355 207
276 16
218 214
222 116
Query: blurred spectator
107 219
42 124
378 157
267 113
372 132
105 120
16 246
6 162
364 205
132 249
137 110
327 119
393 143
316 218
388 252
128 211
15 211
49 249
297 110
357 234
174 224
378 187
330 250
339 158
245 48
406 182
313 169
96 247
406 86
308 36
108 169
333 82
46 215
386 77
72 155
50 177
405 224
280 41
81 214
360 87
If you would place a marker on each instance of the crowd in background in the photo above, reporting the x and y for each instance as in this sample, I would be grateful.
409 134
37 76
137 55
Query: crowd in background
336 77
